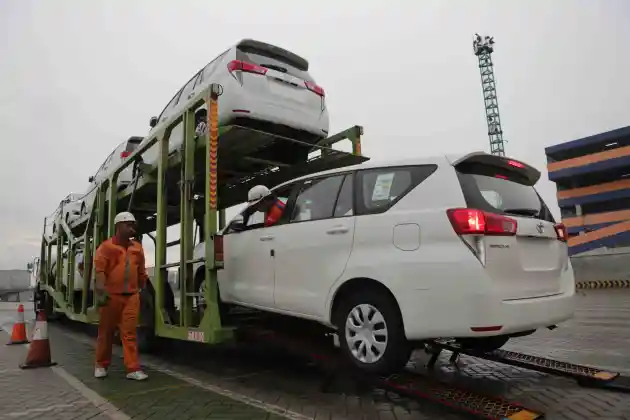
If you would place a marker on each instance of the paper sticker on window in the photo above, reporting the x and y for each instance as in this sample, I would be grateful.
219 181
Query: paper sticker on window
382 186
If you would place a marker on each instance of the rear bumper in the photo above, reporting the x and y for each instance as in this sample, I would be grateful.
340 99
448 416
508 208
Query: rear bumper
434 314
286 113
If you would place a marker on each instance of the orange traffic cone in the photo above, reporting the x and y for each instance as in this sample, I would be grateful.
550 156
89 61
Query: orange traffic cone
39 350
18 335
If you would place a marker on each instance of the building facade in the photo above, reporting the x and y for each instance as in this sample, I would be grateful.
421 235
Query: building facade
592 176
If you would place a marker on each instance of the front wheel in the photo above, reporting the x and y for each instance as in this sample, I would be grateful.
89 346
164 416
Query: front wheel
371 332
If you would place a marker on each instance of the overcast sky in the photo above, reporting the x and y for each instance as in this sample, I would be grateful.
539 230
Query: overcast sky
78 77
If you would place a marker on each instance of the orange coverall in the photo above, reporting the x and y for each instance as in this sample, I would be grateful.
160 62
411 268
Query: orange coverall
125 274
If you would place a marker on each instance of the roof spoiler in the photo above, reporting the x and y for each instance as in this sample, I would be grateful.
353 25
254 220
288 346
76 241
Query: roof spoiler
274 52
529 172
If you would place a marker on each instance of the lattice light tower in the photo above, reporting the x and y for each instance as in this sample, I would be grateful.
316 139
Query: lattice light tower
483 46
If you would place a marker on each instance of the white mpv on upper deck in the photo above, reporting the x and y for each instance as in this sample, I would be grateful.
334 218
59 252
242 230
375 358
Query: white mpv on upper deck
393 254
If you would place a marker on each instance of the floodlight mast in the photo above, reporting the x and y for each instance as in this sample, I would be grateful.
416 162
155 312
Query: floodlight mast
483 47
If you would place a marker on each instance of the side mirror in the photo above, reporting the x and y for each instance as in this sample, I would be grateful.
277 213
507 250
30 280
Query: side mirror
29 267
153 121
237 224
91 179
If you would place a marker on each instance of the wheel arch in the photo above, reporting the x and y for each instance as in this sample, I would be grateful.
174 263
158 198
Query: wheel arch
200 273
354 284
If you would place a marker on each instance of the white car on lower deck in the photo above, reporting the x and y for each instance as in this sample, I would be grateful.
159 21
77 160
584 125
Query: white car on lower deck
397 253
264 87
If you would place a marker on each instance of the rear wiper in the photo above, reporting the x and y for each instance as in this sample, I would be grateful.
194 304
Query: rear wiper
524 212
274 67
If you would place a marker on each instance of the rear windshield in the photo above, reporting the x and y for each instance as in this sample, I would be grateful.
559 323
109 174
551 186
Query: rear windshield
280 62
133 143
499 191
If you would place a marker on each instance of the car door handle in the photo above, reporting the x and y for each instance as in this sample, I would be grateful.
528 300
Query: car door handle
266 238
338 230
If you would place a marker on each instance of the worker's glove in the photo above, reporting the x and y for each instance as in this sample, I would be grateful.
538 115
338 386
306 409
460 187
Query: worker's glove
102 297
201 129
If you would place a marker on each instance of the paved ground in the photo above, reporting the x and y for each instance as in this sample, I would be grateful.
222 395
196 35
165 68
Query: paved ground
41 394
190 382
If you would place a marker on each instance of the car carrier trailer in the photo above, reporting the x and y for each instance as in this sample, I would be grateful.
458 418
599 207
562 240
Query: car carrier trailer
209 174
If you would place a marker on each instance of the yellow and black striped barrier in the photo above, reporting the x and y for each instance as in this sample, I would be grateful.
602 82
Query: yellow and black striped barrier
603 284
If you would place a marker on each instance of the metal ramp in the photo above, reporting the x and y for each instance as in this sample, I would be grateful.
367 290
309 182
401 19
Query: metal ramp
315 342
584 375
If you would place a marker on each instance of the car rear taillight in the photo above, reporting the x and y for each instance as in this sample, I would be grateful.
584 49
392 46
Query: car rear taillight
238 65
124 154
218 248
318 90
478 222
561 232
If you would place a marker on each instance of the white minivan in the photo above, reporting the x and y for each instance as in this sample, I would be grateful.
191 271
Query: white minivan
264 87
394 254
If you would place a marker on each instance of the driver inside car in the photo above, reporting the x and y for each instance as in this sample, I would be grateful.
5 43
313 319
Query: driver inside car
261 199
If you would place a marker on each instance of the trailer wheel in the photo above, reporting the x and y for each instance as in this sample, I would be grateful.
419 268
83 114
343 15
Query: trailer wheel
371 332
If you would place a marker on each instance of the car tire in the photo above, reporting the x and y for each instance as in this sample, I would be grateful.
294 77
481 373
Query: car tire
484 344
224 309
395 354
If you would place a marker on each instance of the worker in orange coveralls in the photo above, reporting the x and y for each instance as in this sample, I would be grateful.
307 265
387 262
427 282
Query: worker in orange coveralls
120 275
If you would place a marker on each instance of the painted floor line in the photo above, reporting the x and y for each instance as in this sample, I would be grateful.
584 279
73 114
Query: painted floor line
270 408
101 403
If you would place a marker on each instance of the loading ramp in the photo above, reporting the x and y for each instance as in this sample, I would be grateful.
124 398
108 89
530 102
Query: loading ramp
586 376
316 343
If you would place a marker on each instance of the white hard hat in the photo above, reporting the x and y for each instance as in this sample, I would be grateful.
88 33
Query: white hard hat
257 193
124 216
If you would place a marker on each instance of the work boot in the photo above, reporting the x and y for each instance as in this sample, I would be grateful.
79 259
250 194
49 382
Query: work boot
100 372
138 375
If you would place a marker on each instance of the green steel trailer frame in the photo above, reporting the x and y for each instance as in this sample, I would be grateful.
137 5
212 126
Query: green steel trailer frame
196 183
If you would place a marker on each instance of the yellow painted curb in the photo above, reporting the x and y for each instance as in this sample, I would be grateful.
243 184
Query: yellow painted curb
603 284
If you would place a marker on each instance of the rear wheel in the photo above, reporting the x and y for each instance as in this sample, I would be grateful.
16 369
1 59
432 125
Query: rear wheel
371 332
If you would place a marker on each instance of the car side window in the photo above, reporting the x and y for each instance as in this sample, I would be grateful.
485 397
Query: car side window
169 106
379 189
184 97
345 201
316 199
211 66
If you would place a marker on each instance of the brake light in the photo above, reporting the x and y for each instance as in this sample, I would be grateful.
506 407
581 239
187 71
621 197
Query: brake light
318 90
478 222
515 164
218 248
124 154
238 65
561 232
501 176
